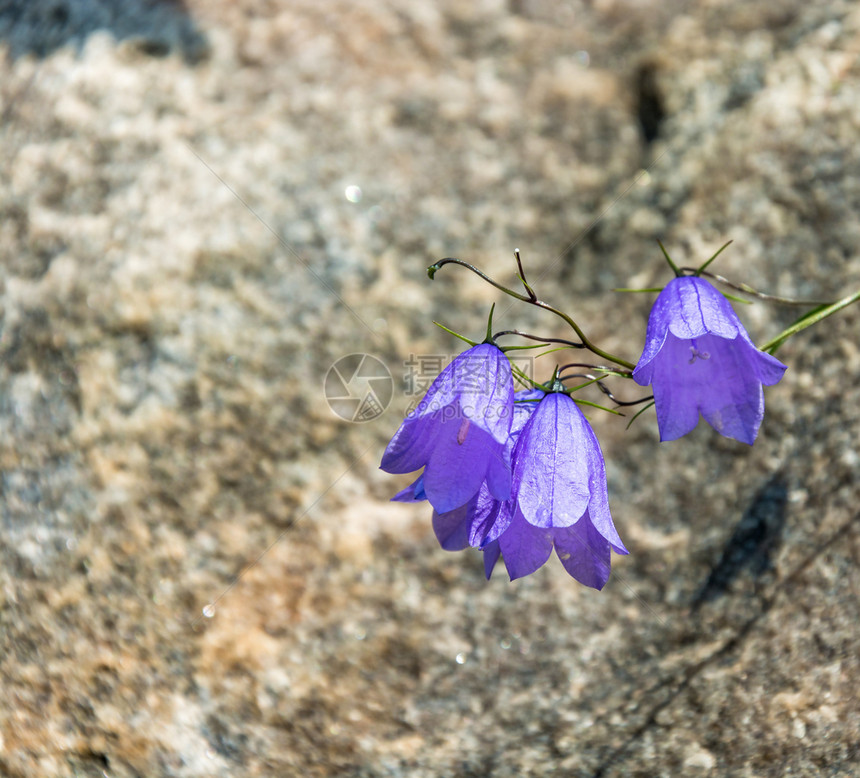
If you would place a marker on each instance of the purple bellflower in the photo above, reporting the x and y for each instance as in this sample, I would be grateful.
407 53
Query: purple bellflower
700 360
458 431
559 497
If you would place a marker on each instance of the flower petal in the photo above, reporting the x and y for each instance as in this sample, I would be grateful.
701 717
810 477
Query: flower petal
492 394
655 337
716 377
550 470
491 556
696 308
477 523
734 401
678 386
479 381
768 368
411 445
524 547
525 404
412 493
598 505
457 469
495 523
499 475
688 307
452 528
482 518
584 552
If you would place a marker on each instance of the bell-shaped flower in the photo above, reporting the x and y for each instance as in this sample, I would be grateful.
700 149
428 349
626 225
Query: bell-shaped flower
699 359
559 497
459 430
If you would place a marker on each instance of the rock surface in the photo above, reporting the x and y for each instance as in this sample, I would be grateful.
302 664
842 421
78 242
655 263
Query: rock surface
181 260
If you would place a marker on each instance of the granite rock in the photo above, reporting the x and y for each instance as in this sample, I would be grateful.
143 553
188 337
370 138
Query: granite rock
200 571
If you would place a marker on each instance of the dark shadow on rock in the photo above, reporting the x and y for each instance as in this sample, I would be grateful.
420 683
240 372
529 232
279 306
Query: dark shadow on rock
158 27
650 110
751 545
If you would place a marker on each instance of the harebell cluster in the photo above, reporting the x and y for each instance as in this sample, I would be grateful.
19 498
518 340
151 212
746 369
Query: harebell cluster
518 472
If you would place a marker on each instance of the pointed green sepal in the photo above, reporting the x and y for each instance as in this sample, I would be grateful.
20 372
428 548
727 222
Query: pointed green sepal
708 262
489 338
455 334
582 386
595 405
735 299
531 399
639 413
525 380
675 269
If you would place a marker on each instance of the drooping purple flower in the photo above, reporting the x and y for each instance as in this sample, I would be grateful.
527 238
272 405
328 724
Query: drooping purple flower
700 360
459 430
559 480
559 497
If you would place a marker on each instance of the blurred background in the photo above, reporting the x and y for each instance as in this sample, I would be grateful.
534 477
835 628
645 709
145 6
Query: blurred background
205 205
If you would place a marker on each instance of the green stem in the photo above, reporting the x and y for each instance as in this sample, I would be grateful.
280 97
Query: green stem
568 343
746 289
639 413
431 271
813 317
436 266
581 335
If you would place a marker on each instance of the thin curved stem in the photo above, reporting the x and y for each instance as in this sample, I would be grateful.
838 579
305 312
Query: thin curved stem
522 275
532 299
608 370
603 388
569 343
585 341
753 292
436 266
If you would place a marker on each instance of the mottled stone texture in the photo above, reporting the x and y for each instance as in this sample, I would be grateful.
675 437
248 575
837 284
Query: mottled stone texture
179 267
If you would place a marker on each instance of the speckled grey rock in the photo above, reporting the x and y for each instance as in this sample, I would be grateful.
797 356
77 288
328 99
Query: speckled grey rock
155 27
200 571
